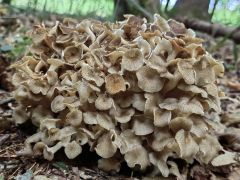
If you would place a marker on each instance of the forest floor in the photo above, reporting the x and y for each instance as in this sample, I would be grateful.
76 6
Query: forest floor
13 42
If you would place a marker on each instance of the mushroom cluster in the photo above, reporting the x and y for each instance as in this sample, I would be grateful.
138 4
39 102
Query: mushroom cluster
139 92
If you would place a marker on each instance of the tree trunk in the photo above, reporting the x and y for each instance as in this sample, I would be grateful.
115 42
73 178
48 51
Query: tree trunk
120 8
192 9
6 1
45 6
143 8
152 6
216 30
71 6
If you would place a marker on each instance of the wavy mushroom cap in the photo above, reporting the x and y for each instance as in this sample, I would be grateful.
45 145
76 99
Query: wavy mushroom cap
72 150
162 118
142 127
40 113
89 74
20 115
103 102
114 83
137 156
105 147
72 54
132 59
187 71
136 92
149 80
54 64
58 104
39 34
52 77
74 117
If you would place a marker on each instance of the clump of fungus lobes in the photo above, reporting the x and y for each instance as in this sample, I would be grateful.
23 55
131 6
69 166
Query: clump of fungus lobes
133 91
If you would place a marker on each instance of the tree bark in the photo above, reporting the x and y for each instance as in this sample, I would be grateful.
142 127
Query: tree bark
71 6
152 6
192 9
143 8
6 1
216 30
120 8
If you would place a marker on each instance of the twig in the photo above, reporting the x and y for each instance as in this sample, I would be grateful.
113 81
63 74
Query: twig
116 8
5 101
214 7
166 7
4 138
32 166
141 9
13 174
45 5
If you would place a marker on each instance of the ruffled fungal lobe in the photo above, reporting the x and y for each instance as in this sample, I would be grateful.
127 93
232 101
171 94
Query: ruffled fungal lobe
133 91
